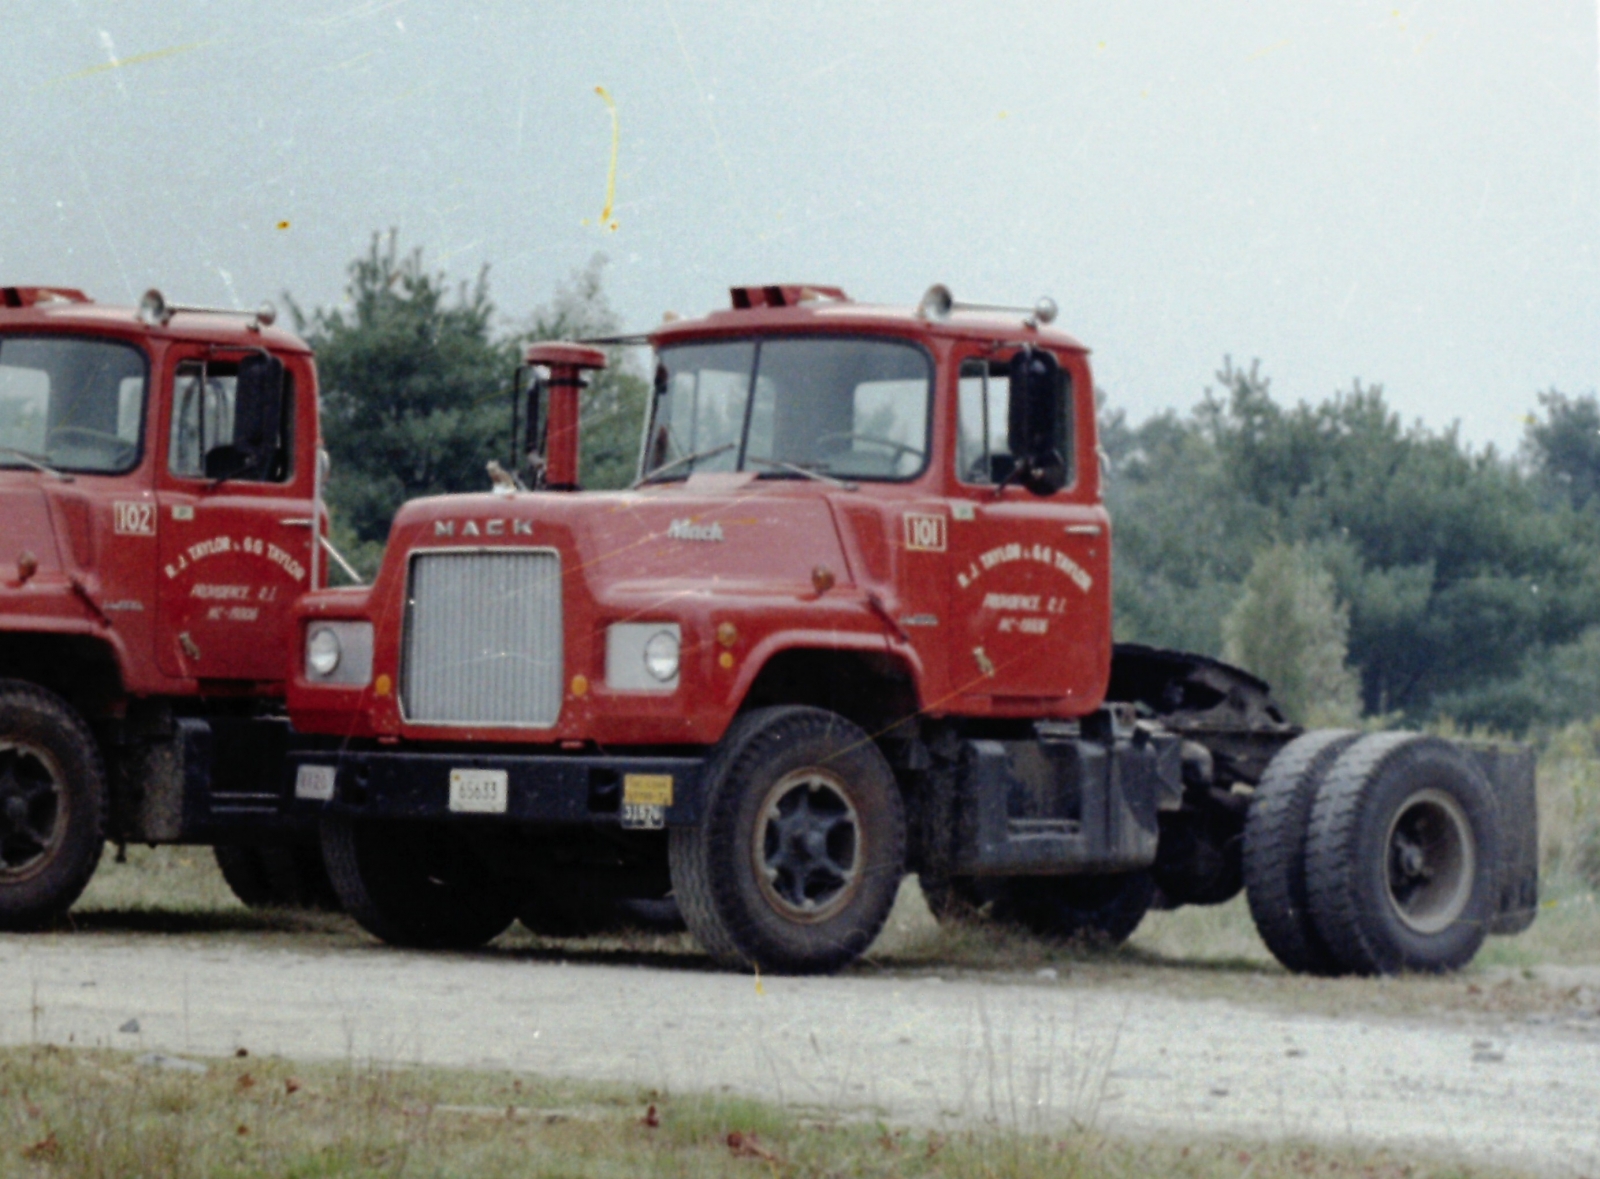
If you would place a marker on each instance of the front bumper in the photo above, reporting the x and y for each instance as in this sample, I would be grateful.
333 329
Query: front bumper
553 788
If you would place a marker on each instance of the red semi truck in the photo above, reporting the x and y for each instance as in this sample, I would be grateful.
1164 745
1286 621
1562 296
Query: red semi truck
159 516
852 620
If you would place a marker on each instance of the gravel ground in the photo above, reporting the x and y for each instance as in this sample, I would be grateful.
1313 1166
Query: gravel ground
1026 1051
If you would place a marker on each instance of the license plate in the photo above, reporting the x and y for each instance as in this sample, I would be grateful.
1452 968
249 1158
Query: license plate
315 783
478 792
647 789
643 816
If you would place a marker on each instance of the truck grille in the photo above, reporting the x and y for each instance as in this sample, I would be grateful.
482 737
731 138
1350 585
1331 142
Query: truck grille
483 639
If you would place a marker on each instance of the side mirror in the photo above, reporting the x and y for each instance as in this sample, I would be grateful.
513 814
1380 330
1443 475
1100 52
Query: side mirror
1034 421
257 422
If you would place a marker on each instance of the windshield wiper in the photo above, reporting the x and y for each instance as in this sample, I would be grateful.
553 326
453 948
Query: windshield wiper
37 462
805 472
652 476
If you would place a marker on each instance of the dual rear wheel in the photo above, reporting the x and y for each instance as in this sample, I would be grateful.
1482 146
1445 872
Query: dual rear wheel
1372 855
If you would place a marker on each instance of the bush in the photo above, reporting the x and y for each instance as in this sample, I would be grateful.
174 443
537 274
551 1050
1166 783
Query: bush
1288 629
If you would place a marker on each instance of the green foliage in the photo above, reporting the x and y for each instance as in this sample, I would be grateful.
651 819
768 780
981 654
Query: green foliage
1288 628
1453 565
1563 448
416 384
413 386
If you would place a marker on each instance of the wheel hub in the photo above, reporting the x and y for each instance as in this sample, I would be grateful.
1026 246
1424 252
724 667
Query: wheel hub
807 846
31 794
1432 861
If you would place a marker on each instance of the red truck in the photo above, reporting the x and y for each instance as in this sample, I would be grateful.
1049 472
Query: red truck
852 620
159 516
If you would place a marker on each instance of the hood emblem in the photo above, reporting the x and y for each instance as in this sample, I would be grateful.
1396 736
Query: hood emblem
483 527
689 530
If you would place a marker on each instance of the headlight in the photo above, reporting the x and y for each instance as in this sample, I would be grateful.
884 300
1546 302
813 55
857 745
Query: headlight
642 656
323 651
339 653
661 656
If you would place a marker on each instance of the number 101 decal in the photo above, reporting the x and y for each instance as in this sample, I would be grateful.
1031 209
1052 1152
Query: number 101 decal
924 532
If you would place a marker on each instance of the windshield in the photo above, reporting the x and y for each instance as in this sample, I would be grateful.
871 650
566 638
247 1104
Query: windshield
847 407
73 404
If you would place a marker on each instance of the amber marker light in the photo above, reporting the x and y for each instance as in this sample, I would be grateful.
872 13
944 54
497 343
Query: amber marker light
382 686
727 634
580 685
726 660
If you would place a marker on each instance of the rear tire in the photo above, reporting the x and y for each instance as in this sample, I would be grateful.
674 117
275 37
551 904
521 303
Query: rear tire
412 884
1275 850
277 876
796 862
52 806
1402 856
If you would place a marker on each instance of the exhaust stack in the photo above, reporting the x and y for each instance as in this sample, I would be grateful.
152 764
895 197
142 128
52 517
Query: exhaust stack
566 363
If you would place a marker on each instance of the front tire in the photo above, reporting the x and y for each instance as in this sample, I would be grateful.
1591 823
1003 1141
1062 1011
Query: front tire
795 865
277 876
52 806
1401 856
413 884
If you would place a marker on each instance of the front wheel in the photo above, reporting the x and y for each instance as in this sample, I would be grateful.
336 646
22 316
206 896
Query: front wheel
276 876
52 806
414 884
796 863
1401 856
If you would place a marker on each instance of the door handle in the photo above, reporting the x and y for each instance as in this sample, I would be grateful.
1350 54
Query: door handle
297 522
1083 530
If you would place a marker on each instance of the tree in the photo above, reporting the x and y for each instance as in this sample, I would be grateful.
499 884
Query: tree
1454 567
416 382
1289 629
413 386
1563 447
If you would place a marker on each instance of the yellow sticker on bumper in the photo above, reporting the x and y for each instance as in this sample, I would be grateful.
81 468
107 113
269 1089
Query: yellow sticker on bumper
647 789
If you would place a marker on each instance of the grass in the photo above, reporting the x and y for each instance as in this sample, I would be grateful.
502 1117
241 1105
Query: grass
101 1113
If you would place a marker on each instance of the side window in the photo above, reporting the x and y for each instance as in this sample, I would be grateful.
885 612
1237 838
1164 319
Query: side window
982 453
204 401
983 448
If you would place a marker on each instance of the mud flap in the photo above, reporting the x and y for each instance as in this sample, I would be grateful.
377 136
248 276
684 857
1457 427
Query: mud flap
1511 772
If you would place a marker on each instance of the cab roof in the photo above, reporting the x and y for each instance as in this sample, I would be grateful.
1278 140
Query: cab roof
803 307
61 309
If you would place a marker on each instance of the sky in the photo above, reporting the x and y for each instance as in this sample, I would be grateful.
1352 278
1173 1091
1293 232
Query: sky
1401 195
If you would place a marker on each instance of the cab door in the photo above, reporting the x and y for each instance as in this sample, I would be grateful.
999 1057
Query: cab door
1032 571
236 494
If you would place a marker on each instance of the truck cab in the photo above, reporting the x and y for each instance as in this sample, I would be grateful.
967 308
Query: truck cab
852 619
159 499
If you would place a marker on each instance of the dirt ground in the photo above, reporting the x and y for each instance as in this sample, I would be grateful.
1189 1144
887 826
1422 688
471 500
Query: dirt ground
1137 1043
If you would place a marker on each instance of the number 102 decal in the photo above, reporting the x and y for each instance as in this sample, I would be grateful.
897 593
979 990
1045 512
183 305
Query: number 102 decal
132 518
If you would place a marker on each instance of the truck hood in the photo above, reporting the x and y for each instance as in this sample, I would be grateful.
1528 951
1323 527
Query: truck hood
767 534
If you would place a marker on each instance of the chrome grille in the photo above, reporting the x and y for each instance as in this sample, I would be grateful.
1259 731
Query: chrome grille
483 639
